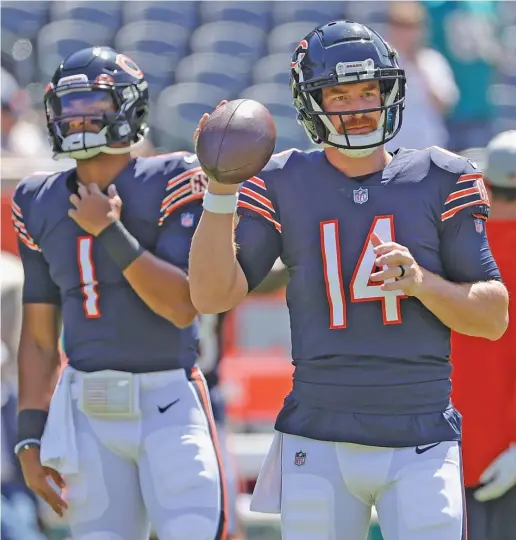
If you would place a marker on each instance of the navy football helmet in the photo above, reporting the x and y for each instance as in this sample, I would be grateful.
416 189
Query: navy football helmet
97 101
346 52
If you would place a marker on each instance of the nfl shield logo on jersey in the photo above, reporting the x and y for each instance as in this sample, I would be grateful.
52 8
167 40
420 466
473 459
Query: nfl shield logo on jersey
300 459
361 195
479 225
187 219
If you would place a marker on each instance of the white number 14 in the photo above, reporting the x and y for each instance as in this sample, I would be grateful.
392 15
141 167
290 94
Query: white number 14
361 289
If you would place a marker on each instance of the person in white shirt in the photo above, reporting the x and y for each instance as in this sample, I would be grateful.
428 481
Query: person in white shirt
431 89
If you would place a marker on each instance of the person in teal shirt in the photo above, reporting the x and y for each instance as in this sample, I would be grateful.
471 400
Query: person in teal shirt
465 34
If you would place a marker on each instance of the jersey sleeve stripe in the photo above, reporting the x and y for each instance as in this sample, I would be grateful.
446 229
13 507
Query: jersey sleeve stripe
16 210
20 229
469 178
257 182
258 198
24 235
267 215
186 175
176 205
171 197
450 213
462 193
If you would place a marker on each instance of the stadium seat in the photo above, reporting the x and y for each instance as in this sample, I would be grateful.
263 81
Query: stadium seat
24 19
278 99
156 47
319 12
228 72
235 39
105 13
273 68
254 13
182 13
59 39
178 111
369 13
286 37
289 134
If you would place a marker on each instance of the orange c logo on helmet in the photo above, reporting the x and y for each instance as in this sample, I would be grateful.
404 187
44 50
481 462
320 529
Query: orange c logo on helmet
303 46
129 66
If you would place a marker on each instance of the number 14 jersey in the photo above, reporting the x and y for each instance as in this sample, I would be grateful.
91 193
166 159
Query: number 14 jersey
371 367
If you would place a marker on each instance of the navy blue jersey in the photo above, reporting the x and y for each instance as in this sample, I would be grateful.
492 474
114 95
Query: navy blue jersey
106 324
371 367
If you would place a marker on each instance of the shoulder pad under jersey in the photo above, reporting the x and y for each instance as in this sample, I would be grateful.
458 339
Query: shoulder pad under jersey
452 162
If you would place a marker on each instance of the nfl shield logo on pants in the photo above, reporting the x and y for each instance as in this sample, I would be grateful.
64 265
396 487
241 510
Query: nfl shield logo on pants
300 459
479 225
361 195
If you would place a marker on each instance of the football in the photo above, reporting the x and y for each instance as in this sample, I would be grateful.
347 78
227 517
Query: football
236 141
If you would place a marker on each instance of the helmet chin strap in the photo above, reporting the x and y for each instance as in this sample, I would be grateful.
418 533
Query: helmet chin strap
90 145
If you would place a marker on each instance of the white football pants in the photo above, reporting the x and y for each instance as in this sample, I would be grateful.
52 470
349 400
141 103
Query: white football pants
163 467
326 490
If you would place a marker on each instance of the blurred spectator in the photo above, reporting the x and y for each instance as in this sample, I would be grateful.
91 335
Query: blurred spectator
484 372
21 137
431 88
465 33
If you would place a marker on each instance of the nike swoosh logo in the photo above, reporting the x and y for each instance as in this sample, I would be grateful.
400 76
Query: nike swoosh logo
190 159
420 450
167 407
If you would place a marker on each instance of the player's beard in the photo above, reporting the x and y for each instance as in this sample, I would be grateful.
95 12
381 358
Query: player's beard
356 126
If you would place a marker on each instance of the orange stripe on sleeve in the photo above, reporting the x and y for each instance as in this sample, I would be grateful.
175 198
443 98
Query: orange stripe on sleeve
449 213
264 213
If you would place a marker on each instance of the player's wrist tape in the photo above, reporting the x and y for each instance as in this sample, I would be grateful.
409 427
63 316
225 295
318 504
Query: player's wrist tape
31 424
121 245
220 204
26 444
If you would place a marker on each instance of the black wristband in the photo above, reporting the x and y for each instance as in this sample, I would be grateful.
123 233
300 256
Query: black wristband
122 247
31 424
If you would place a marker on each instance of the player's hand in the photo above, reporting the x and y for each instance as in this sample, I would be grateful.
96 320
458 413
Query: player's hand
94 211
395 256
36 477
499 477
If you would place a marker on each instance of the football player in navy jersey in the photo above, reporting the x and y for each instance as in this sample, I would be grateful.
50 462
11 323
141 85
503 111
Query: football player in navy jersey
386 253
128 433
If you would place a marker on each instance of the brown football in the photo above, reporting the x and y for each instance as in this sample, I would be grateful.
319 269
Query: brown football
236 141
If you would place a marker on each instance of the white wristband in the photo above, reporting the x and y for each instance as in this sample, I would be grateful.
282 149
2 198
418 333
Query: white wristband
25 442
220 204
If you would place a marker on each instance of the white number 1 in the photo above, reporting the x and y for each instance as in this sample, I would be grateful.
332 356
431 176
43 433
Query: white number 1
361 289
88 278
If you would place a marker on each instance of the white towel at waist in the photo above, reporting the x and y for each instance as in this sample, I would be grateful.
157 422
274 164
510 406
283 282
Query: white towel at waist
58 444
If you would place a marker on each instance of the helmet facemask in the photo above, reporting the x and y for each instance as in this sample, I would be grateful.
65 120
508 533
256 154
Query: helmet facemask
85 119
317 122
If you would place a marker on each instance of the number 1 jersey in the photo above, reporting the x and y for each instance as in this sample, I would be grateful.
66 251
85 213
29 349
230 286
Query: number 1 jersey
371 367
106 324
